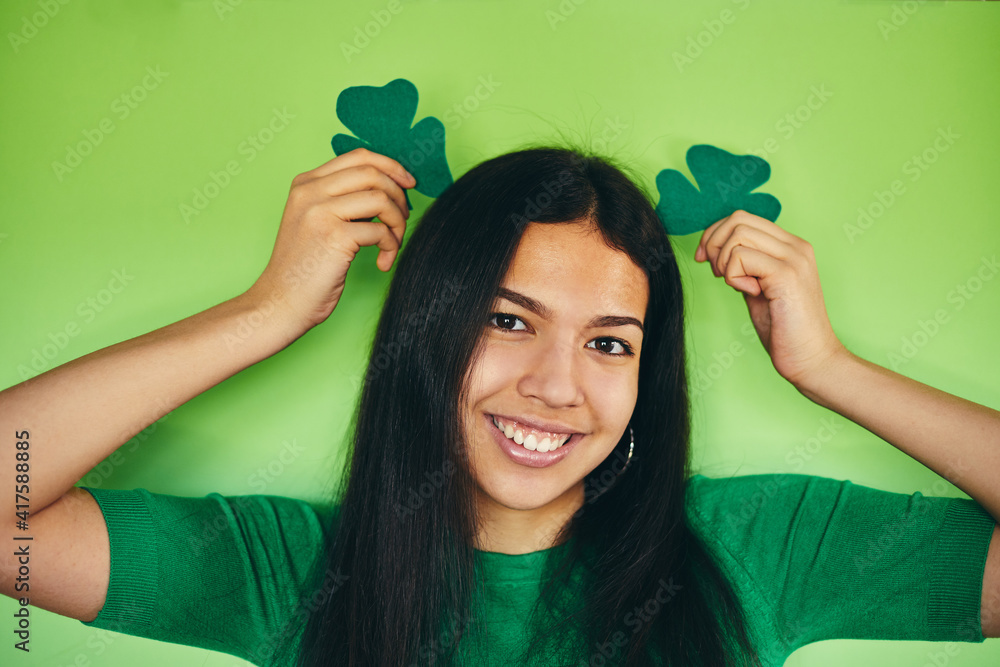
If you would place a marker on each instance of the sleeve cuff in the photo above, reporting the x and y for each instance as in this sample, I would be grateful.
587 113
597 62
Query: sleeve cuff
954 601
131 597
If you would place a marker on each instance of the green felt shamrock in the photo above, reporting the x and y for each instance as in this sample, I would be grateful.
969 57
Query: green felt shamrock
382 118
725 182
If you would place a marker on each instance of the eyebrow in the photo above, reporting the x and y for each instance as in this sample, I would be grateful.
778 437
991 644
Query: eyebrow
541 310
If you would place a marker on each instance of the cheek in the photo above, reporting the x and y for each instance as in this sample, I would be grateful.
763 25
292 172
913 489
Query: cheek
494 370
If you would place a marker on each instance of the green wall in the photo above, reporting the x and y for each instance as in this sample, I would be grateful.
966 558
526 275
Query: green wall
850 102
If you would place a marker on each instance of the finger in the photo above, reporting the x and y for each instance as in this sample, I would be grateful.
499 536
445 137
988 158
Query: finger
363 177
706 235
719 234
699 253
361 156
373 233
356 206
711 240
362 234
751 237
751 271
715 235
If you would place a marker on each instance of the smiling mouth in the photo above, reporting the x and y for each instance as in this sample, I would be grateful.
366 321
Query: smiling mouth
531 439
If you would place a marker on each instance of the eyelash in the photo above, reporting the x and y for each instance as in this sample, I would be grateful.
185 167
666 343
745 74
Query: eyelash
628 348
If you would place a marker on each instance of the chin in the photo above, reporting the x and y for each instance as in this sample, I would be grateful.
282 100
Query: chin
521 497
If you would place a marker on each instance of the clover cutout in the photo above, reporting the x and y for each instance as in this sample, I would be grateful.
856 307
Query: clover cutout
725 182
381 117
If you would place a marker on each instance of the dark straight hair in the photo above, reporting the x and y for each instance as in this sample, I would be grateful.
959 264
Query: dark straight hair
406 522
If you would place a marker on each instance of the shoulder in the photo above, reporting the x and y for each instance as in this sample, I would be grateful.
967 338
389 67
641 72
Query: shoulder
739 499
734 505
201 521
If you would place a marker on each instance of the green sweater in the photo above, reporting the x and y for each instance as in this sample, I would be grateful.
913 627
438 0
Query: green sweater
811 558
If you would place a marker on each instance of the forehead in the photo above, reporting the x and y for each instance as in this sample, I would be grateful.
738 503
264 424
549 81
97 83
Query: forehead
569 264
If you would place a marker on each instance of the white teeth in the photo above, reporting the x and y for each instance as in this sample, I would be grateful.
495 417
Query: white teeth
530 442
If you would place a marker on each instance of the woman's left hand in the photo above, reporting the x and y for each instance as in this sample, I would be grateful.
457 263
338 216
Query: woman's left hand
776 272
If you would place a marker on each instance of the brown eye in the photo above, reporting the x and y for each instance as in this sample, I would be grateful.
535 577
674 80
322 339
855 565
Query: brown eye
502 320
606 346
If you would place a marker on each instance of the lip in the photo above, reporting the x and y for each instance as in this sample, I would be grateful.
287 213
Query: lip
525 457
550 427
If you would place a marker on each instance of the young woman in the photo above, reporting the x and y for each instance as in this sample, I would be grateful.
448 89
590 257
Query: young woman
519 488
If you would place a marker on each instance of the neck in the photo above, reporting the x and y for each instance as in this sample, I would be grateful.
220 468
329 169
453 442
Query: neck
518 531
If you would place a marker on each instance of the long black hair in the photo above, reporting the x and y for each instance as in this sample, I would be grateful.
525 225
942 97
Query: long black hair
403 536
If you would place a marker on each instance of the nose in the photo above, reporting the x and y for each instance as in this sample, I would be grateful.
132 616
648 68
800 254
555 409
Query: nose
553 375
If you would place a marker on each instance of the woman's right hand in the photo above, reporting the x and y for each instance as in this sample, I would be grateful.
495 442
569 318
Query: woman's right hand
326 221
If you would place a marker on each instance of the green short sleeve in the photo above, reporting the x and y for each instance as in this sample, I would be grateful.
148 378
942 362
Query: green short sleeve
816 558
222 573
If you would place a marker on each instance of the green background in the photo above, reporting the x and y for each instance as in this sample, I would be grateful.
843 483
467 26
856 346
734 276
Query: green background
607 74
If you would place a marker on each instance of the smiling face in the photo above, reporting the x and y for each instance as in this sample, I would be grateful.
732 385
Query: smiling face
563 355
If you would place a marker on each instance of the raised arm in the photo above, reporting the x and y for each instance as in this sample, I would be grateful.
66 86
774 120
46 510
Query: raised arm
776 272
63 422
958 439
